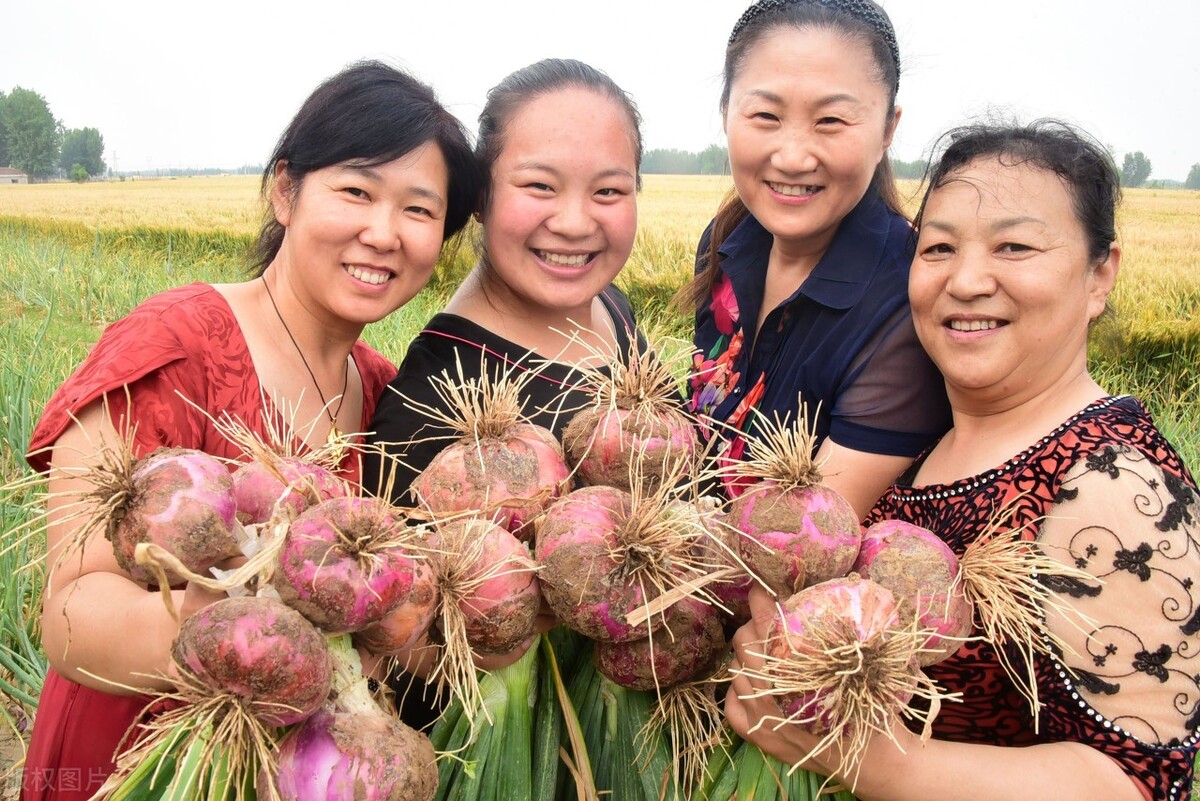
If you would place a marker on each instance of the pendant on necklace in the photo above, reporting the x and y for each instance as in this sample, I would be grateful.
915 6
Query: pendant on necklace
335 443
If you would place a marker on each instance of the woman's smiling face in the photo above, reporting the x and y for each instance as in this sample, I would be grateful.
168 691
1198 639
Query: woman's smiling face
807 123
361 241
562 213
1002 286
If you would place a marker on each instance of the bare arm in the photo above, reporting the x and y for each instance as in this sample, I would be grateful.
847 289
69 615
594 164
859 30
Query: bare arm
859 477
99 628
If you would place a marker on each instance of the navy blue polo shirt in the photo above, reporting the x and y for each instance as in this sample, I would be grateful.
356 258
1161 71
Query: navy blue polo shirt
843 342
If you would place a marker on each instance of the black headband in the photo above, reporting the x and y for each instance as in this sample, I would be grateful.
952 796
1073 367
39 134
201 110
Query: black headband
862 10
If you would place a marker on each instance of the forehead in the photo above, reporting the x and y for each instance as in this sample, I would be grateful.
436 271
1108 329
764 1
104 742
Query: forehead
423 168
576 119
787 55
991 187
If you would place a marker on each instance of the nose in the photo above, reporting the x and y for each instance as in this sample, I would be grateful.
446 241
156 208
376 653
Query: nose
381 228
795 152
572 218
972 275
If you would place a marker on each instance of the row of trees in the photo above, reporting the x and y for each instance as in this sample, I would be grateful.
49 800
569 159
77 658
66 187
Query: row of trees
34 142
1193 179
713 160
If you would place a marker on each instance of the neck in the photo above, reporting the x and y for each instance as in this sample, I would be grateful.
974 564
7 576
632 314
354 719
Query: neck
322 339
993 430
800 254
571 336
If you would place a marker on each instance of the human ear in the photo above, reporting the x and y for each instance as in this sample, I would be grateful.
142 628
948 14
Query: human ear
889 130
1103 277
282 187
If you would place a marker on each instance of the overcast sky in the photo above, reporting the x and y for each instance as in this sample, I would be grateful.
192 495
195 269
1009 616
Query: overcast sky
212 84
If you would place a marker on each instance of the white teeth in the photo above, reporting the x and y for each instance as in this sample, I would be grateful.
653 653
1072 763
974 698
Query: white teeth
794 190
973 325
564 260
369 277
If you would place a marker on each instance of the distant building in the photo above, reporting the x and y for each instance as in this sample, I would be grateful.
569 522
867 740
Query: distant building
8 175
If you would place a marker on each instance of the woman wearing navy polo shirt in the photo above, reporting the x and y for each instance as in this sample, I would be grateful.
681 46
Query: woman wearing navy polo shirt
801 284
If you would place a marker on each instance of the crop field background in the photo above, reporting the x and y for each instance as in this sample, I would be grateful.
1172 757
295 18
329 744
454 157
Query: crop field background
74 258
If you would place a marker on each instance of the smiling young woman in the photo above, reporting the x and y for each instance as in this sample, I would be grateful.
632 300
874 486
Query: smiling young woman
367 181
561 147
800 279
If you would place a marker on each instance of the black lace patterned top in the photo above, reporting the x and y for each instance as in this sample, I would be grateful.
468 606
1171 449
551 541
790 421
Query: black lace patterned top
1118 503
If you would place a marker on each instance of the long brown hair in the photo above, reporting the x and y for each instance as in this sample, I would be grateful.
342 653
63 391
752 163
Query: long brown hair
860 21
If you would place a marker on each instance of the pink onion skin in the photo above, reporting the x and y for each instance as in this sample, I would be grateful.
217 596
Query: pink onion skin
601 442
347 756
578 575
258 489
401 628
260 650
921 571
795 538
501 611
734 591
869 608
686 645
320 575
528 463
183 501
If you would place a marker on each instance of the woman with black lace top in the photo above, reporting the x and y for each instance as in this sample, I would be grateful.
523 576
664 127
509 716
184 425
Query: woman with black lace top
1016 257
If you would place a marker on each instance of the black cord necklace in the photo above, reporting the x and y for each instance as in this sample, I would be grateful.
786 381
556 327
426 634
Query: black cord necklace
334 433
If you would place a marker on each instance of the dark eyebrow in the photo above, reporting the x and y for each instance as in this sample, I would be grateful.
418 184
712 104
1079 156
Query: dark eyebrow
765 95
838 98
828 100
366 172
428 194
609 173
373 174
999 225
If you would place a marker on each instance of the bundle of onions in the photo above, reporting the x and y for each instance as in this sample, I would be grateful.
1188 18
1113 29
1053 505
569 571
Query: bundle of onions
607 556
245 667
723 547
1002 582
637 415
351 749
797 531
277 476
841 665
489 601
502 464
350 756
923 574
248 667
687 644
178 499
262 486
347 563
